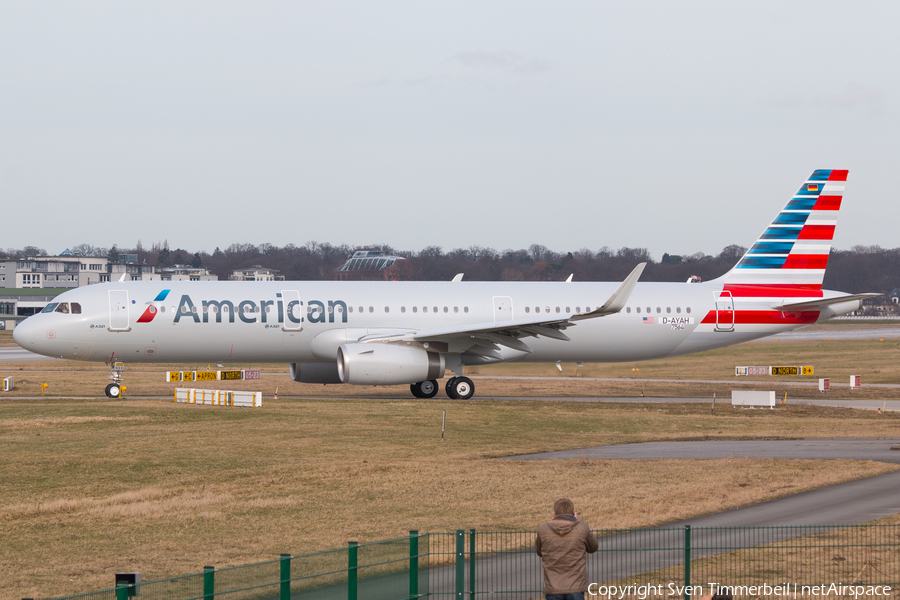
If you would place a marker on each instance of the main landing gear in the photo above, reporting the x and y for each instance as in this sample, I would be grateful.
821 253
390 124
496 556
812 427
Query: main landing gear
424 389
457 388
460 388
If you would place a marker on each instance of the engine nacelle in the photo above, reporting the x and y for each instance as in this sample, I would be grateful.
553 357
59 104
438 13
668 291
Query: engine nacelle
387 364
314 372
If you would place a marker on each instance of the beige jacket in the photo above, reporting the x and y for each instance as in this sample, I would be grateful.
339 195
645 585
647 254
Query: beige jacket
563 544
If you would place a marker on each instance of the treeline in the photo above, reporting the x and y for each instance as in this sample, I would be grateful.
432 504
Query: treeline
860 269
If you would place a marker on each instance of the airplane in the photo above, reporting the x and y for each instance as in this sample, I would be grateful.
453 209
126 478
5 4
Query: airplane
391 332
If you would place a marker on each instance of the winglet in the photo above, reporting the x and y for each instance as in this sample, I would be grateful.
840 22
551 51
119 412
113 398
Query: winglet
618 299
122 278
458 277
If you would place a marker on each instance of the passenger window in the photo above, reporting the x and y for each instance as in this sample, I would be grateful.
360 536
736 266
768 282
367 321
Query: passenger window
557 309
456 309
76 308
340 309
424 309
678 309
445 309
567 309
658 310
648 310
403 309
527 309
546 309
194 309
587 309
537 309
465 309
668 309
371 309
361 309
638 309
688 310
215 309
63 308
415 309
435 309
163 309
330 309
628 309
205 308
349 308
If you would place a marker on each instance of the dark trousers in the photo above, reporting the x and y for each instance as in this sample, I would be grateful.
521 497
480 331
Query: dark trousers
578 596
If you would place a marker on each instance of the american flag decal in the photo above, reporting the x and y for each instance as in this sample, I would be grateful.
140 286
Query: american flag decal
648 320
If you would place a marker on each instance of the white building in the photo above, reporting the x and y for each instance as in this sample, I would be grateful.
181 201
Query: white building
255 273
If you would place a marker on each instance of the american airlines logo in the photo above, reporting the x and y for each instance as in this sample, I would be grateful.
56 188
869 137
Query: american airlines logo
151 311
277 311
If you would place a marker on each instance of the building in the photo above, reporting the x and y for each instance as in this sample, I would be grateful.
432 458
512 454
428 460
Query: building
367 265
65 271
255 273
185 273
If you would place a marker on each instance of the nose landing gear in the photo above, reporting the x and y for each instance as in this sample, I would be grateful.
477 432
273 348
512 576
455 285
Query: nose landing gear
116 370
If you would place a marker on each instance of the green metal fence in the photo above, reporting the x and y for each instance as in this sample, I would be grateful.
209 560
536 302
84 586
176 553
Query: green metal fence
465 565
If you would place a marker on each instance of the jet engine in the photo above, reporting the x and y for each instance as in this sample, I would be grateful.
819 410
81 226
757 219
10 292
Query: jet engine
314 372
387 364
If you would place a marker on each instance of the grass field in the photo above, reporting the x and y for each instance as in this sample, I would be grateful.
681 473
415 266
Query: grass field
95 486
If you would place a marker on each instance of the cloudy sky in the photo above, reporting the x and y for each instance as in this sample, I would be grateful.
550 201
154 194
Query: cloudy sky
680 127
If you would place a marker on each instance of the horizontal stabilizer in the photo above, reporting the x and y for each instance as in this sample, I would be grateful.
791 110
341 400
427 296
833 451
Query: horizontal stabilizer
822 302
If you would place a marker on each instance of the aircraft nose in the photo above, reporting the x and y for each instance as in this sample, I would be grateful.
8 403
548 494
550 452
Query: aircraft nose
24 332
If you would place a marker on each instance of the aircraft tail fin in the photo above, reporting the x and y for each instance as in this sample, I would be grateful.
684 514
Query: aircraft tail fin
793 250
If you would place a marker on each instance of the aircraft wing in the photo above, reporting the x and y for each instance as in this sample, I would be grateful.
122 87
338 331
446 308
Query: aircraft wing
484 338
822 302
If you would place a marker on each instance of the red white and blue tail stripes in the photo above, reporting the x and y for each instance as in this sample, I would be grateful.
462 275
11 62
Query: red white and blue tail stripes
793 250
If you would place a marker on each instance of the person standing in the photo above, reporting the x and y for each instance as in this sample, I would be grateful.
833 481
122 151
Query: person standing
563 545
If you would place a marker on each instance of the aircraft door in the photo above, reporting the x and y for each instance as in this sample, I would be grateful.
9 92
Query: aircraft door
293 311
503 308
118 310
724 311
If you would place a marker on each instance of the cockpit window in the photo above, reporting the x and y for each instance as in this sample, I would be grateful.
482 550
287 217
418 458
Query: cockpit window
50 307
76 308
63 308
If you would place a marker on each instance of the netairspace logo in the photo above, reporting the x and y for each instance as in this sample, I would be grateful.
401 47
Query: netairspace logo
765 590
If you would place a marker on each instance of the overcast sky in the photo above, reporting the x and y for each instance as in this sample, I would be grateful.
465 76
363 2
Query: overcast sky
681 127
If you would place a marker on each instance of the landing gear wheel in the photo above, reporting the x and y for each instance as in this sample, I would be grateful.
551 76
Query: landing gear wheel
460 388
113 390
109 385
424 389
429 388
451 391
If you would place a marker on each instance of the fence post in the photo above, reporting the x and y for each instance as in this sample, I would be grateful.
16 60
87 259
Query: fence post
209 583
413 563
460 563
687 561
352 561
285 590
472 564
121 591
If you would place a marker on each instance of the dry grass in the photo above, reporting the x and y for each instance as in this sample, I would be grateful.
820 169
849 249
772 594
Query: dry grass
92 487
